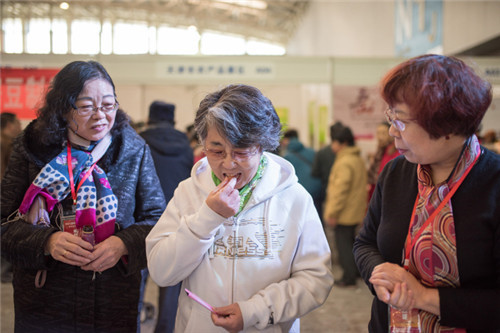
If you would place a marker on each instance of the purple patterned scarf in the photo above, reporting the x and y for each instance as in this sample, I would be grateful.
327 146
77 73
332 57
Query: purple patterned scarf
96 205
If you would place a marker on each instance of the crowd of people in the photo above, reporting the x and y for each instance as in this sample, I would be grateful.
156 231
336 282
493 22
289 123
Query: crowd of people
229 218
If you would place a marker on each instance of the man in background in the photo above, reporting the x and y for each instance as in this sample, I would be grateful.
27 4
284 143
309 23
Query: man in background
173 159
322 165
302 157
346 200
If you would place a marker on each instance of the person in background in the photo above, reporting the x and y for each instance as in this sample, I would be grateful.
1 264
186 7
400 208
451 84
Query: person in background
173 159
386 151
302 159
241 232
10 129
321 167
194 142
490 141
345 204
429 249
77 201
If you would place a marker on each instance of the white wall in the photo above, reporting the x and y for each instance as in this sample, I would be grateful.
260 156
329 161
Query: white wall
346 28
366 28
469 23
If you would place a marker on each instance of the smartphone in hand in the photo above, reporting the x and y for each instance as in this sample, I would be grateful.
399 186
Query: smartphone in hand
199 300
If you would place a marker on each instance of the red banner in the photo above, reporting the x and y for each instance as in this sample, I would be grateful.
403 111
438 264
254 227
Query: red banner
22 90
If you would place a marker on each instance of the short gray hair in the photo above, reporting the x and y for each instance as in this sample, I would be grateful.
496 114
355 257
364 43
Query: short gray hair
242 114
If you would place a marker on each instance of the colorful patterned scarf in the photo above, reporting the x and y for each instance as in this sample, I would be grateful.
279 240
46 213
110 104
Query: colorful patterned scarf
246 191
433 259
96 205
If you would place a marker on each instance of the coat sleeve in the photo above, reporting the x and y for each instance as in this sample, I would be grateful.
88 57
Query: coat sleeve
23 244
366 252
141 207
185 237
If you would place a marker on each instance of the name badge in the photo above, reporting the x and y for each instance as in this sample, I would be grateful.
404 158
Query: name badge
69 223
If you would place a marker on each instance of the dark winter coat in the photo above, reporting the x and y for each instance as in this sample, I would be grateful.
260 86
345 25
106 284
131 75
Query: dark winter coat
70 301
302 159
475 305
172 155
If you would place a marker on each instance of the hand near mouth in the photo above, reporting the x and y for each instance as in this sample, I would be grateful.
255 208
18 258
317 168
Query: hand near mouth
225 199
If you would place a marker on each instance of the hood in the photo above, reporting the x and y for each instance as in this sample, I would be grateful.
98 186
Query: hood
295 145
166 140
279 175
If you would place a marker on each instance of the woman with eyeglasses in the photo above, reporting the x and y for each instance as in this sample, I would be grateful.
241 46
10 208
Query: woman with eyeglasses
78 199
430 246
241 232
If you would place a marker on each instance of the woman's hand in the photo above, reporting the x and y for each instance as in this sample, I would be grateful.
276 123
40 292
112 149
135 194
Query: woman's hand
69 249
396 286
386 275
402 297
228 317
389 282
106 254
225 199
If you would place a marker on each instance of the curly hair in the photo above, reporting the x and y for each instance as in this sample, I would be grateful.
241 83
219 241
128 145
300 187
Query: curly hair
445 95
61 96
242 114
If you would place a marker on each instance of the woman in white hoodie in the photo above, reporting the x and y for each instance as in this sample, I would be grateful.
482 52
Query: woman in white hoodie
241 232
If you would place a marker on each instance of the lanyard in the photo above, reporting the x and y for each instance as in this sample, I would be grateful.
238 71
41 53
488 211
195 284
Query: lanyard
410 243
71 180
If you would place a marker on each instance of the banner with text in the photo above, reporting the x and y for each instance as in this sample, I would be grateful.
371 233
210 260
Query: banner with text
22 89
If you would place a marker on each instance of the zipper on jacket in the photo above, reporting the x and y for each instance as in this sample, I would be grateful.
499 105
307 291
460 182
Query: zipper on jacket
234 219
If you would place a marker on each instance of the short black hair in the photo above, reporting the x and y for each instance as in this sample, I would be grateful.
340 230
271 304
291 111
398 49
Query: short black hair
291 134
343 135
338 125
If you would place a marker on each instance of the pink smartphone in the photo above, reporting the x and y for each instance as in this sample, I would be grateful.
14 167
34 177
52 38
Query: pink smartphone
199 300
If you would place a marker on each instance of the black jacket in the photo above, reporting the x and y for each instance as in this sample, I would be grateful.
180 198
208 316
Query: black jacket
70 300
475 305
172 155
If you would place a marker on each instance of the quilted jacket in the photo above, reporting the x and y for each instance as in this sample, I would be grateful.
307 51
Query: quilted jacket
71 300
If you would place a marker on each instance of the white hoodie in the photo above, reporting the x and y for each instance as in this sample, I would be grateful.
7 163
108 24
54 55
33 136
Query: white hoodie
272 258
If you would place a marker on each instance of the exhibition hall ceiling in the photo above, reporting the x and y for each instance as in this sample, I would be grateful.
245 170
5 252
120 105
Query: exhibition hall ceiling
270 20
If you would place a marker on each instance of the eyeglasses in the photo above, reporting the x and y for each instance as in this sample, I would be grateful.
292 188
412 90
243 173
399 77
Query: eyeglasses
390 116
86 110
238 156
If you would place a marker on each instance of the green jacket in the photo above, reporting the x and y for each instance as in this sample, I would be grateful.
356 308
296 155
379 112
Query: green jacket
346 194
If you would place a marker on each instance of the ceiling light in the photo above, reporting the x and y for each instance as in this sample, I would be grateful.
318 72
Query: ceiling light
64 5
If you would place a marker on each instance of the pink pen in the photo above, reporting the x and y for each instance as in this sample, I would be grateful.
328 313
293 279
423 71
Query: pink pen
199 300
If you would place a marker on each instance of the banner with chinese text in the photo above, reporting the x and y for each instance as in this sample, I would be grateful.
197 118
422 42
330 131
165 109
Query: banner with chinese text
22 89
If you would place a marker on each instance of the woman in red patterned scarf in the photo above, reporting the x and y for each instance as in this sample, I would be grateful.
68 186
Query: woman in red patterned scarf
430 246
